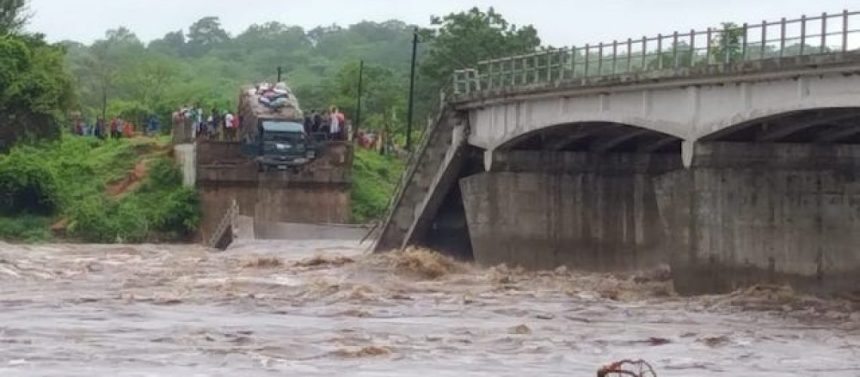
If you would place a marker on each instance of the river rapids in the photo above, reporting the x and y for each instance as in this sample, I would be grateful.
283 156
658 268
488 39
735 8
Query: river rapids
325 308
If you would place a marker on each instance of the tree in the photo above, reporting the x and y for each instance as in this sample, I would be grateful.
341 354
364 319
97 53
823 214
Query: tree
12 16
205 34
461 40
35 90
172 44
726 46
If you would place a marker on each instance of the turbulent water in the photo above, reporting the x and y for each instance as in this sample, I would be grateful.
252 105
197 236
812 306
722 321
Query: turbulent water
325 309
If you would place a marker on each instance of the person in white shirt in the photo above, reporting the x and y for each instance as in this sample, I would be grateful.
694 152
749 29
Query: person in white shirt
334 124
228 123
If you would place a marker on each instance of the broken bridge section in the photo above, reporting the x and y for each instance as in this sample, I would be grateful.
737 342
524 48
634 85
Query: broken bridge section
734 169
318 194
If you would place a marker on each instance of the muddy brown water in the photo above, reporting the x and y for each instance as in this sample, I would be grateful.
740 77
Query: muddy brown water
322 308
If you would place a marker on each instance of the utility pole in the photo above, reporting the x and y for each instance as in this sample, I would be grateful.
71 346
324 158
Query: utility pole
411 91
358 105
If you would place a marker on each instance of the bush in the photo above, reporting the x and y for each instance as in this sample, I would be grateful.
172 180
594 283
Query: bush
27 185
98 220
375 177
174 209
26 228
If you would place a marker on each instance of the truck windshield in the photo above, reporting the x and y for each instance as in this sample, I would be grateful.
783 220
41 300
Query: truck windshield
283 136
282 126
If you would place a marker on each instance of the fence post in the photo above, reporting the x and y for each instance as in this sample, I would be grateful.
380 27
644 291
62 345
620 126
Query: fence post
561 66
708 47
845 30
675 50
782 37
744 44
692 47
490 75
823 32
802 34
763 39
629 54
600 59
659 51
644 51
725 42
548 66
573 62
587 58
614 55
524 73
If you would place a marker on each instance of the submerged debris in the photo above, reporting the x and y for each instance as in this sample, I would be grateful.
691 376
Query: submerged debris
369 351
424 263
263 262
520 330
324 260
635 368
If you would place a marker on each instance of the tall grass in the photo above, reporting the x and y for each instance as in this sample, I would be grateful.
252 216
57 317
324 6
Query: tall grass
374 180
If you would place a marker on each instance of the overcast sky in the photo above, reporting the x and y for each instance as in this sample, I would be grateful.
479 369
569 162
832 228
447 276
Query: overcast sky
559 22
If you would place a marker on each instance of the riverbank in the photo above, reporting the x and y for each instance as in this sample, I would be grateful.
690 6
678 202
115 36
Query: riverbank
90 190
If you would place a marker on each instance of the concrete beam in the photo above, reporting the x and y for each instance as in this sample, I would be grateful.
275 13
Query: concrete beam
582 132
790 129
606 145
566 140
659 144
838 134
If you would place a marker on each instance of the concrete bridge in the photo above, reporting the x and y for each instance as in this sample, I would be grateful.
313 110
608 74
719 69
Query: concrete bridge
731 154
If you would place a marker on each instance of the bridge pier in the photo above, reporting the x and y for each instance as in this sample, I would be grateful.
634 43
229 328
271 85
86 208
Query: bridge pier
542 209
747 213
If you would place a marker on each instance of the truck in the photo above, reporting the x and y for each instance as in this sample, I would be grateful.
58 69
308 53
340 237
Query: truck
272 129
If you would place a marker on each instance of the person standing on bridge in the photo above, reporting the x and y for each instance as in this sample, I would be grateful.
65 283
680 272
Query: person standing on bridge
317 120
309 123
230 126
334 124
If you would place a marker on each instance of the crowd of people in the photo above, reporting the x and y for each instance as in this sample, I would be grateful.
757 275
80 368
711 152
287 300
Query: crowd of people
331 123
215 125
114 129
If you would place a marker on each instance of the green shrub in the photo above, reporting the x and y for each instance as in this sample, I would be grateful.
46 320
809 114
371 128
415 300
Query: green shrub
105 221
26 228
374 180
26 185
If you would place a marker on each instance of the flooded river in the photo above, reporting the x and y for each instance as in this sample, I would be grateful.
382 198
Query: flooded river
325 309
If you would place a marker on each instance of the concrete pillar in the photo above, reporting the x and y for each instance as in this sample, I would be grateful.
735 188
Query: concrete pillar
583 210
777 213
186 156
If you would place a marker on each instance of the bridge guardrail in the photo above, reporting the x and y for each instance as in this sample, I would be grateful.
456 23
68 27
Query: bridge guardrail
421 145
824 34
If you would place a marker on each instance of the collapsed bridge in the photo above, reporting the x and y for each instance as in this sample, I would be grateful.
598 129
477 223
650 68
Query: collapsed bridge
731 154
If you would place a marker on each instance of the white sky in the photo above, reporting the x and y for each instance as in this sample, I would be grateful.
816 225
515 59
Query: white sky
559 22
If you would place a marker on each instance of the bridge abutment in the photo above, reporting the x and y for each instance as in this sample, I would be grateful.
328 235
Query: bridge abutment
590 211
747 213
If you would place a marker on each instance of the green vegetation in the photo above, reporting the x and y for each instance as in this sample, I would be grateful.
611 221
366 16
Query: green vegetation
127 190
374 179
97 191
207 65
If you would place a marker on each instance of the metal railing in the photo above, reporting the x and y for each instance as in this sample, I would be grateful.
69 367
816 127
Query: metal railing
228 224
423 141
823 34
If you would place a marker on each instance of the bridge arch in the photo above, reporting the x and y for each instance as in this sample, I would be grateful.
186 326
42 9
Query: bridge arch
594 136
801 123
